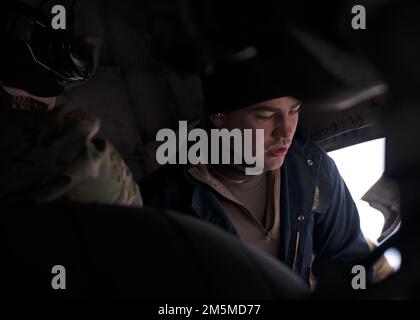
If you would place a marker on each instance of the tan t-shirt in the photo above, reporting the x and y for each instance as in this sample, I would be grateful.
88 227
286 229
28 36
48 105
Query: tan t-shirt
252 203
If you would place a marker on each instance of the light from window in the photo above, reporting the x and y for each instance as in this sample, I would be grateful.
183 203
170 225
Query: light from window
361 166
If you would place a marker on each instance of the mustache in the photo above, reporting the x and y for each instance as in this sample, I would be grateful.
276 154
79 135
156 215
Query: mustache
283 144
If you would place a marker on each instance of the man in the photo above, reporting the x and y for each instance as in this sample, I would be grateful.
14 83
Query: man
50 152
298 209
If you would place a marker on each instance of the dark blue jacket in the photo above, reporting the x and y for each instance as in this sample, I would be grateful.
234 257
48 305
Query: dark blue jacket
319 219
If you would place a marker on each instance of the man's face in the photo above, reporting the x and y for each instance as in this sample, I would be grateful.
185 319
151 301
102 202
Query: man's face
278 117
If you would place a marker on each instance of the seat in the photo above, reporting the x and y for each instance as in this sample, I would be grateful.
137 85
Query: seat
122 252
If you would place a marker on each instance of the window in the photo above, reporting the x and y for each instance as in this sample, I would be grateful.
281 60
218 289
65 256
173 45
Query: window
361 166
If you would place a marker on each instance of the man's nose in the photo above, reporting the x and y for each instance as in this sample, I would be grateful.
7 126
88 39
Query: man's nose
283 128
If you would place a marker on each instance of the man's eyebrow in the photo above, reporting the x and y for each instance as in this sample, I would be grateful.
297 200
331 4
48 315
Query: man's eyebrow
273 109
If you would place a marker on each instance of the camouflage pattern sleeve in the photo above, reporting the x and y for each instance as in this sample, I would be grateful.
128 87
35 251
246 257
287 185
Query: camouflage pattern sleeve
53 154
112 183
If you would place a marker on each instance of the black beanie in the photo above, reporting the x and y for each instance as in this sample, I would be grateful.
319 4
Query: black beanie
297 66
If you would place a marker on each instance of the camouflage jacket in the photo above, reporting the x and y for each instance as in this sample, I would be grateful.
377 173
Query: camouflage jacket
48 155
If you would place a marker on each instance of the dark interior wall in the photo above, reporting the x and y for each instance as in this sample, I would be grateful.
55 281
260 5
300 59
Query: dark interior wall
335 129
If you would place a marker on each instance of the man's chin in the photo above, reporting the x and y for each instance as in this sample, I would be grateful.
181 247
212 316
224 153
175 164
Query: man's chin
273 164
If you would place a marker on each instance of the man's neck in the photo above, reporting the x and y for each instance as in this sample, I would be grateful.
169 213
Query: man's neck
235 174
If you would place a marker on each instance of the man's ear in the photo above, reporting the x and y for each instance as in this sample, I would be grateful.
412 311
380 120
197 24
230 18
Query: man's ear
217 120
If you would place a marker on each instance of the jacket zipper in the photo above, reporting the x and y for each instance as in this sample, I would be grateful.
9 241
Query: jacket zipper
300 219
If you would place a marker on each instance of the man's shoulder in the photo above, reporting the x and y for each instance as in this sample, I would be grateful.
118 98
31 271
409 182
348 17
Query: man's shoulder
304 146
